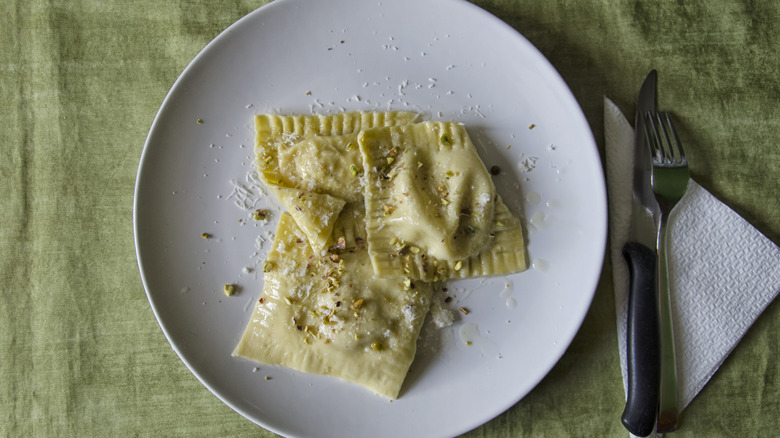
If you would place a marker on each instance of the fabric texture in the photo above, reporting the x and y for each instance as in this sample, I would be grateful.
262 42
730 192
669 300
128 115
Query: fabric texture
81 82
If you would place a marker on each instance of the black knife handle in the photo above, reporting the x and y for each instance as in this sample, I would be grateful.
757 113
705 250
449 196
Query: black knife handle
643 347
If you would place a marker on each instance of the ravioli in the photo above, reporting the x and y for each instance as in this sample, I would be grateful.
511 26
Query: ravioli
317 154
324 164
506 253
330 315
432 211
379 210
315 213
350 227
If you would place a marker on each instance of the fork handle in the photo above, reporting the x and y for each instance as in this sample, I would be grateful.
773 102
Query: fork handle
643 352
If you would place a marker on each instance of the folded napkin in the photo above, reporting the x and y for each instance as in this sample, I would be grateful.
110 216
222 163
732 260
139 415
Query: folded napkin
723 272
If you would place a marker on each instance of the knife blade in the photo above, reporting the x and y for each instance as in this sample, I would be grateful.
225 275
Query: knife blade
643 344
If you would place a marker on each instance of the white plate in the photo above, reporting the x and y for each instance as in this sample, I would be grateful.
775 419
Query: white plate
445 58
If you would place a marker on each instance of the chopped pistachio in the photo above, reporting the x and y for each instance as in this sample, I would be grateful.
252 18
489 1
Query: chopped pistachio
392 173
414 249
357 303
260 214
288 300
377 346
229 290
445 140
390 160
458 265
199 121
205 235
354 170
341 267
267 266
470 230
407 283
445 201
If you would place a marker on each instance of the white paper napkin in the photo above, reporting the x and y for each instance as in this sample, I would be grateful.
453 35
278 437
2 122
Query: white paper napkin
723 272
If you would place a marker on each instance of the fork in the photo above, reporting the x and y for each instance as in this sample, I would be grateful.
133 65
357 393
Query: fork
669 179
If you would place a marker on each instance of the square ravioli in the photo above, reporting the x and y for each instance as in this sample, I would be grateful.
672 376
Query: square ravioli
328 314
316 157
432 211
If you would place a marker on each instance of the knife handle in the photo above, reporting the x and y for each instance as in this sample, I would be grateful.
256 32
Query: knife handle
643 347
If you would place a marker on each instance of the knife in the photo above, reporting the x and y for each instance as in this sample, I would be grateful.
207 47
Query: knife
643 345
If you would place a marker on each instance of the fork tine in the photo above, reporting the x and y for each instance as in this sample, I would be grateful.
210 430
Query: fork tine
663 139
651 134
676 145
666 144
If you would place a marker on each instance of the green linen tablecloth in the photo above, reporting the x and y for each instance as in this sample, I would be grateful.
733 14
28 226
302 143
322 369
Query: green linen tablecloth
81 81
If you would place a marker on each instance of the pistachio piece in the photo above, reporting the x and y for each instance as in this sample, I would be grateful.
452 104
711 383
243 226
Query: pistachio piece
229 290
260 214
